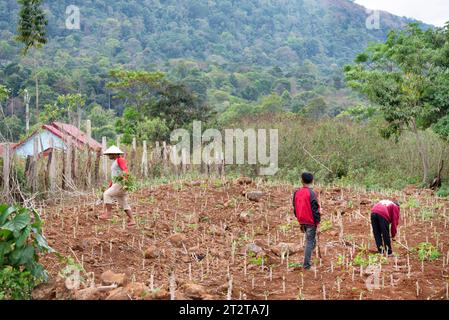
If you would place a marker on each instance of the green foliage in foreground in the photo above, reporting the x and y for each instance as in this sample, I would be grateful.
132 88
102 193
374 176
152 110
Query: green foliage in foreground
21 242
128 182
15 284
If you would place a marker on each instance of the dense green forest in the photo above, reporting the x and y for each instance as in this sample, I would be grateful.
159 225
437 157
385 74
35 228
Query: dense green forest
144 68
238 57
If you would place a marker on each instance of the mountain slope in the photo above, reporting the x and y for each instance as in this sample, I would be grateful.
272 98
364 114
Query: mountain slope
262 32
228 51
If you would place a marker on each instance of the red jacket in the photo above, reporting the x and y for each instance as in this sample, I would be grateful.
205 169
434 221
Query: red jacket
390 211
306 207
123 166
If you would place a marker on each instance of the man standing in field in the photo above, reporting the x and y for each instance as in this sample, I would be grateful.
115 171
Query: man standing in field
307 211
119 170
383 214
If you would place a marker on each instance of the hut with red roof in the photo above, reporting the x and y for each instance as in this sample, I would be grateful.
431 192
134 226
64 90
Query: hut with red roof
58 134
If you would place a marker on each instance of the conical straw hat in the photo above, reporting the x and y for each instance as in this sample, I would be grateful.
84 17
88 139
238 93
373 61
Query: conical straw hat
113 150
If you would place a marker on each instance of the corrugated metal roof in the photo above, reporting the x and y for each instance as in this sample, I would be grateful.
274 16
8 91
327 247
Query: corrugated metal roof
74 132
65 132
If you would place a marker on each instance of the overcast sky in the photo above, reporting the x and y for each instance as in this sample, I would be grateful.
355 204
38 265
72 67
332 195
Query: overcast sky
435 12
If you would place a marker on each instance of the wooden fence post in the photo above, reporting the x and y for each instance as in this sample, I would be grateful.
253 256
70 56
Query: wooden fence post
64 169
68 164
164 155
105 160
51 167
223 173
144 163
34 166
117 141
184 160
73 164
6 168
133 155
97 167
89 153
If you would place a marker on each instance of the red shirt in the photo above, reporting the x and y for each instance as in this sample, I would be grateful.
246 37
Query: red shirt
390 211
307 209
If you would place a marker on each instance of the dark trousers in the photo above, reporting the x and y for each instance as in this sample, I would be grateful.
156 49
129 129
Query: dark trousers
310 232
381 231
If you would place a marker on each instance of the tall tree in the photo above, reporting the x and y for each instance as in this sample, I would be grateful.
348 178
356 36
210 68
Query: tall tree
32 23
150 98
404 77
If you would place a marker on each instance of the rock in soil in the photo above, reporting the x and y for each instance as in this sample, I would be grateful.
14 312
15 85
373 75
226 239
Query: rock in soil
109 277
282 249
255 196
160 294
137 290
118 294
254 248
177 239
152 253
87 294
194 291
45 291
244 217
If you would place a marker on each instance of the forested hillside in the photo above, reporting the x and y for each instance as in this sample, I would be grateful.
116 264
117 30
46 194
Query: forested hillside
236 56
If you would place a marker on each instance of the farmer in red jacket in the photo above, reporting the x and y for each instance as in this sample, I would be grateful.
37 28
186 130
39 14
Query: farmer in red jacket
307 211
115 190
383 214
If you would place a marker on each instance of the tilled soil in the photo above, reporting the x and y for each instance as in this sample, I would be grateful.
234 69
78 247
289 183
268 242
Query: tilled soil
199 232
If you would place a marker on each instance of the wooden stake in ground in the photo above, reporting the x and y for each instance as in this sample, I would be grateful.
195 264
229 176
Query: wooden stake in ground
6 167
144 164
229 295
105 160
172 286
34 167
89 154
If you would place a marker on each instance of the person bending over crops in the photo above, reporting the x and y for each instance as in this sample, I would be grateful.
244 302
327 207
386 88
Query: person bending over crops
117 187
383 214
307 211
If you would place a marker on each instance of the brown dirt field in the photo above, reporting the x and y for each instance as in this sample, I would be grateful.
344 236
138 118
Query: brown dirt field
209 217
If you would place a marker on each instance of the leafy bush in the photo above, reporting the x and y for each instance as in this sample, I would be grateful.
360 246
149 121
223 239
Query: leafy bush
426 251
443 192
15 284
362 259
21 242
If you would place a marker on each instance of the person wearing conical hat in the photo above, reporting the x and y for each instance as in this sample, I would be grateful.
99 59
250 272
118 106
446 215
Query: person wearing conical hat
115 190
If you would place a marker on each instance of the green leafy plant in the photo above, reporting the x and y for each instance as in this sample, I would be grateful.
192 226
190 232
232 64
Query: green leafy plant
412 203
427 214
340 260
443 192
128 182
294 265
15 284
193 226
326 225
363 259
21 242
426 251
258 261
